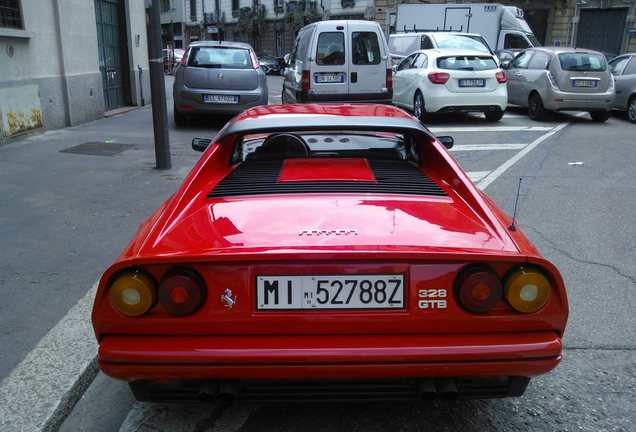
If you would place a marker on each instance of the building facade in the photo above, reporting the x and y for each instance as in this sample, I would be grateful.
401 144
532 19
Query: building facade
67 62
604 25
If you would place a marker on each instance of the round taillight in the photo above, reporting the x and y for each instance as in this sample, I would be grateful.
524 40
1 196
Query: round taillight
527 290
181 292
478 289
133 294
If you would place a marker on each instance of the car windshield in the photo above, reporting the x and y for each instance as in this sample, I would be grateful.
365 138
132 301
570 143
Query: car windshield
448 41
471 63
327 145
220 57
583 62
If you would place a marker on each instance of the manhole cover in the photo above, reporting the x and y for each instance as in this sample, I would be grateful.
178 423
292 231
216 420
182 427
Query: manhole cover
99 149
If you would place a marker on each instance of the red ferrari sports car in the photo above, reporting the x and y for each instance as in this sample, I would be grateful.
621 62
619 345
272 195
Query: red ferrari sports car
328 252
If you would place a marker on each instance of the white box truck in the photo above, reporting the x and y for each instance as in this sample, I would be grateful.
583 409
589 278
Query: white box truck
503 27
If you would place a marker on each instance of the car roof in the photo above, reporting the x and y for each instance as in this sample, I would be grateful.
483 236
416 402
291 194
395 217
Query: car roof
435 52
559 50
432 32
311 117
221 43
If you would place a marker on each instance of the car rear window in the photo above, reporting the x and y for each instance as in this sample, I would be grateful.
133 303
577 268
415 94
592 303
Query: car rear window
582 62
365 48
331 49
447 41
220 57
472 63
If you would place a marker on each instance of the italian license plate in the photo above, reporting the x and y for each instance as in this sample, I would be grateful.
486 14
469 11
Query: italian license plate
584 83
330 78
378 291
472 83
221 98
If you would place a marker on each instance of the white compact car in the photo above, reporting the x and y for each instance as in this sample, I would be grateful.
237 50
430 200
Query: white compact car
445 81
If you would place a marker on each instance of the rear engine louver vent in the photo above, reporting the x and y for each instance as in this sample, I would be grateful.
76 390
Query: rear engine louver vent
261 178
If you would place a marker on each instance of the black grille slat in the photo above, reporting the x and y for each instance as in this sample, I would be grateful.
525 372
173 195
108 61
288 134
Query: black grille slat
261 178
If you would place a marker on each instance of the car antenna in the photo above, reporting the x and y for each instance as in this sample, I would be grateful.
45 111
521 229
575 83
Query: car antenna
512 226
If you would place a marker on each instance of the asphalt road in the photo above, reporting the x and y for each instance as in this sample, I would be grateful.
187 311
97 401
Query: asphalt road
579 216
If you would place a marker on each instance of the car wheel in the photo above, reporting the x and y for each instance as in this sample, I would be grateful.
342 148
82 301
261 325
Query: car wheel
494 115
180 119
600 116
536 111
281 71
631 110
418 108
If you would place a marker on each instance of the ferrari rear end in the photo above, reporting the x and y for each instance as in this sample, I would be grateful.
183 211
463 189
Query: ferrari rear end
362 264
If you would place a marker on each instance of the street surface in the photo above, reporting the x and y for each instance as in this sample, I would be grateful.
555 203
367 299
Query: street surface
64 218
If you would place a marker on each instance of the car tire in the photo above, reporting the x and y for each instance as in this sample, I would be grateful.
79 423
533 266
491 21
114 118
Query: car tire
419 109
631 110
281 71
600 116
536 110
494 115
180 119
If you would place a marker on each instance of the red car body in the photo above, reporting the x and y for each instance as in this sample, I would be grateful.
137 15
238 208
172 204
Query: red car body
230 347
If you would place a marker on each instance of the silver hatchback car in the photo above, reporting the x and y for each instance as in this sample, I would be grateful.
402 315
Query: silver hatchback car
561 79
218 78
624 70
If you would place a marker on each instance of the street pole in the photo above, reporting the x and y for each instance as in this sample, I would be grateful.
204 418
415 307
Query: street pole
158 87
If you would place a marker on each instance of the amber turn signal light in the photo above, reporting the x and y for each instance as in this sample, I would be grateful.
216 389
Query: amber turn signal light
478 289
181 292
133 294
527 290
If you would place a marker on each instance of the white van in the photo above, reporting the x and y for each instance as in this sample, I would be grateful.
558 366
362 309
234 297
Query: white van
339 61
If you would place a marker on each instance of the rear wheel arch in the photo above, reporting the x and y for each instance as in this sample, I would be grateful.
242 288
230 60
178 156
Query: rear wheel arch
631 108
536 110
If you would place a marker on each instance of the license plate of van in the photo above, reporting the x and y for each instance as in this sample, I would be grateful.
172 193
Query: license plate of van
472 83
584 83
221 99
330 78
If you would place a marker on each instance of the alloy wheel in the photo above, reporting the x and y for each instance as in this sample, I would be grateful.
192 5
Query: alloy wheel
631 110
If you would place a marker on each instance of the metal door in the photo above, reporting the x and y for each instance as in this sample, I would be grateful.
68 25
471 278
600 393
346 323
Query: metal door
110 52
602 29
457 19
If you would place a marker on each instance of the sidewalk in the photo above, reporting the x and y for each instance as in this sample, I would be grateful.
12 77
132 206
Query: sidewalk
64 218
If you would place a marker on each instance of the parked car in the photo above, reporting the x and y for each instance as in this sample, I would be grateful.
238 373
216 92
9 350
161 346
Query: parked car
403 44
445 81
332 251
561 79
218 78
269 64
171 58
624 70
339 61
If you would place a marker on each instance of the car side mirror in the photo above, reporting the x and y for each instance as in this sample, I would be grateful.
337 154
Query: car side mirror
505 65
200 144
447 141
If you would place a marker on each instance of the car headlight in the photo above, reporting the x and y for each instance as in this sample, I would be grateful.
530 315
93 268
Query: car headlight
527 290
133 294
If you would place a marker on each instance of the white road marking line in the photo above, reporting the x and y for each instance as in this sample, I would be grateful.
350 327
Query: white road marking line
481 147
435 130
475 176
38 392
485 182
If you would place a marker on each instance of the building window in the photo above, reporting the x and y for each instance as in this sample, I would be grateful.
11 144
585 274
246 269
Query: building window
11 14
235 5
193 10
255 3
165 5
279 43
278 3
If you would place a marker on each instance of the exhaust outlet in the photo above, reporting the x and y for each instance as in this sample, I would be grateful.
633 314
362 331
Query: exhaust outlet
229 390
208 391
491 109
426 389
446 387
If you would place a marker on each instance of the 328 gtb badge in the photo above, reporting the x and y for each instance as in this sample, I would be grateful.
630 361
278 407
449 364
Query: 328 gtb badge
434 299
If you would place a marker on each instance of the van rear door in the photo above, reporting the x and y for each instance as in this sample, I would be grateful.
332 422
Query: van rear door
369 61
329 75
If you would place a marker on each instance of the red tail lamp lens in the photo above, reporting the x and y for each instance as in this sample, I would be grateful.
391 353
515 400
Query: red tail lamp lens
501 77
181 292
478 289
389 78
305 80
438 77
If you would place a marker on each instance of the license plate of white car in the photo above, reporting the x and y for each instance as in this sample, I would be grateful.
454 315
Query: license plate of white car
314 292
472 83
584 83
329 78
221 98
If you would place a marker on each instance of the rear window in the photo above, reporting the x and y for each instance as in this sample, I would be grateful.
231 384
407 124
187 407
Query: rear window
583 62
447 41
331 49
472 63
365 48
222 58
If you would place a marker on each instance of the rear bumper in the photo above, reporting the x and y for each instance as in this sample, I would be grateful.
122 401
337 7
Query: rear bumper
193 98
567 101
444 101
385 98
132 358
